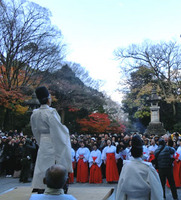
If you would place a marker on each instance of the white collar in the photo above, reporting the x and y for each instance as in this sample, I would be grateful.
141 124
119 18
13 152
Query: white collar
44 106
53 191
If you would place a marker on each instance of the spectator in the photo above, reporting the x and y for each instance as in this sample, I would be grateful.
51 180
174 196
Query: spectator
120 156
151 150
27 150
138 179
55 179
1 155
9 157
75 145
165 168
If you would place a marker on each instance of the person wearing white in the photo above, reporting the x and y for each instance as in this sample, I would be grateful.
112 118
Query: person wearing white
151 150
179 150
152 147
128 154
108 149
83 151
145 153
109 157
71 175
98 161
73 154
95 165
82 158
138 179
52 137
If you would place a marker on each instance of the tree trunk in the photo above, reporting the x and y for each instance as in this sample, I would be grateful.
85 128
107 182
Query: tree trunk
174 109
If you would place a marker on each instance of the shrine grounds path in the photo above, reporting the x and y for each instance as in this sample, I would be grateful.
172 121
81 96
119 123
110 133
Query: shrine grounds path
8 185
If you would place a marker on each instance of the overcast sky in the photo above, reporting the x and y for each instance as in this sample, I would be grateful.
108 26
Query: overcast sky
93 29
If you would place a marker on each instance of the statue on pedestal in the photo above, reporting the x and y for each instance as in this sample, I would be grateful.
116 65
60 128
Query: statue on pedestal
155 126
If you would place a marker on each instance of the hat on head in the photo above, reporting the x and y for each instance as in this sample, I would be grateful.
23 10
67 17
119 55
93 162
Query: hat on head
137 142
42 92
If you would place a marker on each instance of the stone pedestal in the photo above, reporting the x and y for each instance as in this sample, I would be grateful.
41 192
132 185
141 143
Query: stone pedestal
155 128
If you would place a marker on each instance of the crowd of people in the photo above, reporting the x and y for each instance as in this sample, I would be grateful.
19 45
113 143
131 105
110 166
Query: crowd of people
17 155
94 157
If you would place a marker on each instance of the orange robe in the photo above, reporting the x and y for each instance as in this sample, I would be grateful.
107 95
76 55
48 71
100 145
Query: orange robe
95 173
71 175
176 171
111 168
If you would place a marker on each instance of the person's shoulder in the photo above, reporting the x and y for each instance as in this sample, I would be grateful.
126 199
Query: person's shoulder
35 111
52 109
149 164
87 149
68 197
37 197
98 151
126 162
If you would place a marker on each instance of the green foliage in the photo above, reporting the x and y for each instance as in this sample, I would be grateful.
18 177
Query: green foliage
177 127
141 113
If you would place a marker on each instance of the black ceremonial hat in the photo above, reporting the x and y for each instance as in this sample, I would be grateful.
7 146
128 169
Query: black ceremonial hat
137 142
42 92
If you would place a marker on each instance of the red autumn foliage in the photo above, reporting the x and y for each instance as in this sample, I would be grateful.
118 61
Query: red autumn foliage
95 123
116 127
9 98
11 82
71 109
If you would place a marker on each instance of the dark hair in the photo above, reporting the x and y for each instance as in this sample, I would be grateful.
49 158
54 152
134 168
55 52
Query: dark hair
137 146
42 94
136 152
170 143
161 142
43 101
95 144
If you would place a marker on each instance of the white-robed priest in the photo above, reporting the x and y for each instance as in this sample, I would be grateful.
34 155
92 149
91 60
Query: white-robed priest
52 137
138 179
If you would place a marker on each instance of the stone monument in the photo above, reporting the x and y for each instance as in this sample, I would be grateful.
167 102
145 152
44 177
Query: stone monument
155 126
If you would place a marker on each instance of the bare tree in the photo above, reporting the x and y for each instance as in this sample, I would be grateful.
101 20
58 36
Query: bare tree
29 43
163 58
84 76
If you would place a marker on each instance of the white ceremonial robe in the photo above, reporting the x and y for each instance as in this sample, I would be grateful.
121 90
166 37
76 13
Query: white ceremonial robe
98 160
73 154
53 140
122 154
107 149
179 152
152 148
83 151
145 152
139 181
128 155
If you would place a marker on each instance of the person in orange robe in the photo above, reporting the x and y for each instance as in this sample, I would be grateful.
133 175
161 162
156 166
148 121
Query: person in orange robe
71 175
95 165
177 167
108 155
82 157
